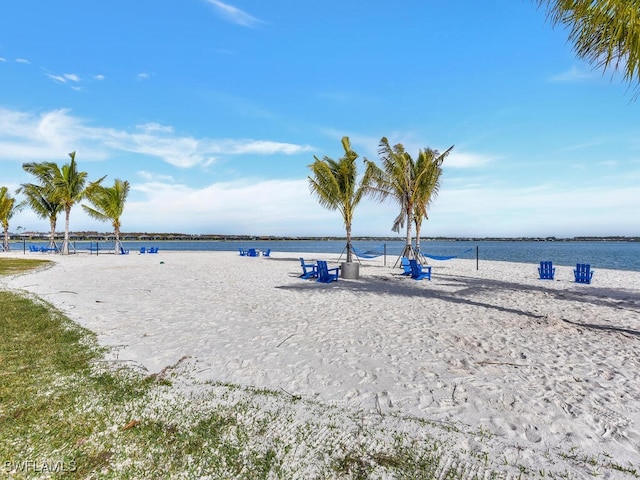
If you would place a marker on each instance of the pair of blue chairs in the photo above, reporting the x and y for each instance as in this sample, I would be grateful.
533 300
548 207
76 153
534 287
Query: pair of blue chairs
582 273
411 268
149 250
319 270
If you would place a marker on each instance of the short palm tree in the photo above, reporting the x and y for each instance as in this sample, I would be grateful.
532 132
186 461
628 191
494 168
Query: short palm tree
108 205
8 208
604 32
409 182
336 184
41 197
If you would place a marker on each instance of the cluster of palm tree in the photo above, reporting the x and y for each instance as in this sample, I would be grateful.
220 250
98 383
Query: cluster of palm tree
412 183
56 190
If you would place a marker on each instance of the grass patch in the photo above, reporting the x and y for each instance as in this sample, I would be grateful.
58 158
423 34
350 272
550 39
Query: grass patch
12 266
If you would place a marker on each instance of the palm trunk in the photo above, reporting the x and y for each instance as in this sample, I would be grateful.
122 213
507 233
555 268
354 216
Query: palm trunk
52 233
65 242
349 244
5 241
116 232
418 237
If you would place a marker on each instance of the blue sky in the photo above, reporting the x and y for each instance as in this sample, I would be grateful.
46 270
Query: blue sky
213 111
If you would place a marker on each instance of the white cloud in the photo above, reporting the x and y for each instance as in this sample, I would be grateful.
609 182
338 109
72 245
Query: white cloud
228 207
234 15
99 77
457 159
22 60
48 134
3 59
574 74
155 177
72 77
143 76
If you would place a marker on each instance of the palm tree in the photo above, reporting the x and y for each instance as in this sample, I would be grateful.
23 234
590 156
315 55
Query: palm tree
427 172
41 197
8 208
604 32
335 182
108 205
410 185
67 186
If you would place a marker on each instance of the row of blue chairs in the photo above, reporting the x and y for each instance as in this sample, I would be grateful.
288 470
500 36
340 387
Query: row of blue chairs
252 252
582 273
149 250
319 270
35 249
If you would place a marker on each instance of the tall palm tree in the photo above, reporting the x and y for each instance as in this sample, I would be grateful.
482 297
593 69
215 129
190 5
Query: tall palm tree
427 172
395 180
8 208
41 197
401 179
335 183
604 32
108 205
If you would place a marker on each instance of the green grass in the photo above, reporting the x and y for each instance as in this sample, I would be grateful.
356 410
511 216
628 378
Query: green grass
67 412
11 266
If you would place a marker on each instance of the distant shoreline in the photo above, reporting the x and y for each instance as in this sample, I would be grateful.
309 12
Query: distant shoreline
94 236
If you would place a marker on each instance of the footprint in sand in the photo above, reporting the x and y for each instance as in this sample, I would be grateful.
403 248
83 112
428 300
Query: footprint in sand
531 433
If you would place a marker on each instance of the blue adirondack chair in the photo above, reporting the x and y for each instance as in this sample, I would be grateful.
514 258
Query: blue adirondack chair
243 252
546 270
143 250
252 252
406 266
326 274
266 253
418 272
153 250
583 273
33 249
123 251
309 270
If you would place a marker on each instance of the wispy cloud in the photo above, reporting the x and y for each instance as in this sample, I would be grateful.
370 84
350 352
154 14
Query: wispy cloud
64 78
457 159
574 74
234 14
3 59
48 135
23 60
143 76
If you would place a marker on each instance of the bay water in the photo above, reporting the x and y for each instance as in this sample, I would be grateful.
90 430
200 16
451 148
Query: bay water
619 255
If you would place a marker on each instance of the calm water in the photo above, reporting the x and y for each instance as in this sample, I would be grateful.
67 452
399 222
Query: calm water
615 255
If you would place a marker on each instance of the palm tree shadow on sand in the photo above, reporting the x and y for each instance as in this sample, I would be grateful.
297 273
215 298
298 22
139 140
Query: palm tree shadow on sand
468 287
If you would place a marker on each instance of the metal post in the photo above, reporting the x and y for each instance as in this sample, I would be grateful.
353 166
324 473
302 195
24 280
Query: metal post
477 256
385 254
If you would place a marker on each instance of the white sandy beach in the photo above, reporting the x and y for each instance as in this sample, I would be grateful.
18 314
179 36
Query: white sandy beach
543 366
